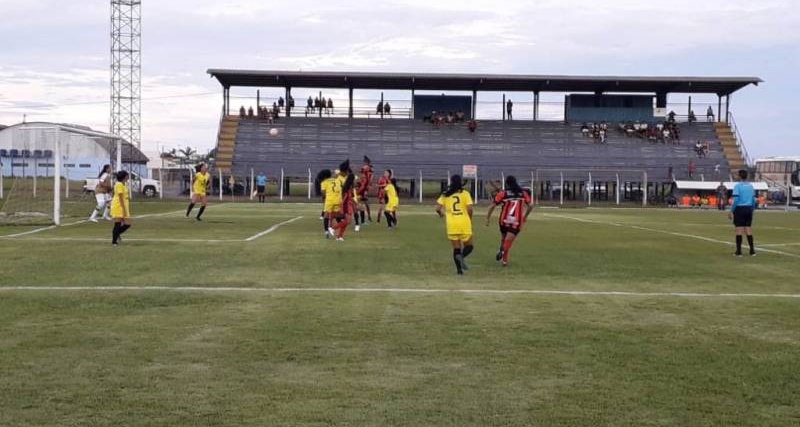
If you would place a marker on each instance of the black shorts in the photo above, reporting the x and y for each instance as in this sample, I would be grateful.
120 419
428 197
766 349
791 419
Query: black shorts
260 189
743 216
504 229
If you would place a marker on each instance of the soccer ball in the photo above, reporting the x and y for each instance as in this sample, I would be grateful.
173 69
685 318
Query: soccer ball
273 132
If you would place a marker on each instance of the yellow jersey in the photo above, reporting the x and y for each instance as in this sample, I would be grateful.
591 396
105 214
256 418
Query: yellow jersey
200 185
332 188
455 212
391 194
120 204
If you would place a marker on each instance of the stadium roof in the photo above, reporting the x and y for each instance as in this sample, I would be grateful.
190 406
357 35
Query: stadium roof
481 82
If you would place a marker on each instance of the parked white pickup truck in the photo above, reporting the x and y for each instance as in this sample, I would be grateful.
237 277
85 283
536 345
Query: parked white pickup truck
146 186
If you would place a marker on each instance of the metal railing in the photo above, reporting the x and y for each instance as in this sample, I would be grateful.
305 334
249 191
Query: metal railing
739 141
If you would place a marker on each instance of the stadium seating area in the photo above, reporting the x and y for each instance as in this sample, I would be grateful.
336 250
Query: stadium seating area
411 146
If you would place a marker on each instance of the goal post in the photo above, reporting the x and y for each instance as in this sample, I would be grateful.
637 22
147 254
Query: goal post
44 168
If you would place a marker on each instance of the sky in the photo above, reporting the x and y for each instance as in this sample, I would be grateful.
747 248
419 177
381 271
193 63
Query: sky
54 58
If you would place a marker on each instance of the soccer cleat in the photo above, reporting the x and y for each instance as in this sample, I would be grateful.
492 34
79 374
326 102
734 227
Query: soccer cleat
108 218
327 235
505 263
340 239
738 254
499 255
93 220
460 273
753 253
198 219
331 231
357 228
463 262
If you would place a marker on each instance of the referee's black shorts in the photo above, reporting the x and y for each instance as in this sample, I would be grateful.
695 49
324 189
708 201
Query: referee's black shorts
743 216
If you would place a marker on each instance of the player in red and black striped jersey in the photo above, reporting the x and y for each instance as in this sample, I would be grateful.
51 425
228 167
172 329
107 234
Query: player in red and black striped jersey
364 184
513 199
383 181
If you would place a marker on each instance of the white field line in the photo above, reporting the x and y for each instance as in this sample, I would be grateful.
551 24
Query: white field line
98 239
394 290
780 244
38 230
271 229
671 233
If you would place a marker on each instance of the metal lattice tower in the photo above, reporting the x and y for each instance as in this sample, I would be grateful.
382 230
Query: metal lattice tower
126 69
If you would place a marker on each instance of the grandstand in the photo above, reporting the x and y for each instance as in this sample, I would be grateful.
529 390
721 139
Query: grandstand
542 150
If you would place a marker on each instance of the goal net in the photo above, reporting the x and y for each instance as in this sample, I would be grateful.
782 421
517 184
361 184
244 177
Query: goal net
44 170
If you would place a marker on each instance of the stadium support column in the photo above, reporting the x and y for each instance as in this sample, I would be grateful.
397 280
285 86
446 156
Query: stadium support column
383 106
287 98
350 100
728 108
536 105
258 99
719 108
503 107
474 104
412 104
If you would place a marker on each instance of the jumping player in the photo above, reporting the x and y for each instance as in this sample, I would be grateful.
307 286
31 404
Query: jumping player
511 217
120 208
200 185
332 193
102 193
455 205
392 202
348 207
364 184
744 201
382 181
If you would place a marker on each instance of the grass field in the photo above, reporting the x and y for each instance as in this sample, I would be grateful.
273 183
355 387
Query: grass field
605 317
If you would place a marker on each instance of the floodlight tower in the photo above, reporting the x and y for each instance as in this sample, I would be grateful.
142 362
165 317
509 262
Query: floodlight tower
126 70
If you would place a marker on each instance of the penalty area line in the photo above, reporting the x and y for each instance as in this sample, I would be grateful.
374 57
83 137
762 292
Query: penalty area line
398 290
271 229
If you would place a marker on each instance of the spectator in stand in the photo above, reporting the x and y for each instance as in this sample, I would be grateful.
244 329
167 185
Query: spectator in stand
710 114
472 125
671 117
290 104
584 129
323 105
330 106
387 109
602 134
722 196
242 111
379 108
509 107
459 116
309 105
275 110
665 135
281 102
716 169
450 117
250 112
317 105
698 149
692 117
691 169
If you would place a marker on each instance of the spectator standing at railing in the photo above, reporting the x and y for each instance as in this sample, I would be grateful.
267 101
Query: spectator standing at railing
710 114
472 125
309 105
323 105
290 104
275 110
281 102
330 106
379 108
250 112
509 107
242 111
316 103
671 117
387 109
692 117
722 196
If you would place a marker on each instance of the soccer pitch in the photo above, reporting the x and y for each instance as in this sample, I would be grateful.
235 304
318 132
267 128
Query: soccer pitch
618 317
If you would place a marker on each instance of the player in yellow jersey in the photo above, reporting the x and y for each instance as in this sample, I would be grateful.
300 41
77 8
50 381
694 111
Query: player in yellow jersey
455 205
392 202
120 208
200 187
332 195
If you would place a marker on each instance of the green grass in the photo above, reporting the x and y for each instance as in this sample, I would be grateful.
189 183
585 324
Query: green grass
236 358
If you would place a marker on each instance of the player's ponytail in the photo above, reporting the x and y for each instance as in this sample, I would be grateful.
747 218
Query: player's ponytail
455 185
513 185
348 183
324 174
105 169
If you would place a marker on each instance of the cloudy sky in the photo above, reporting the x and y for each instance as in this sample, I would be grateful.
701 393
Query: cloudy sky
55 54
